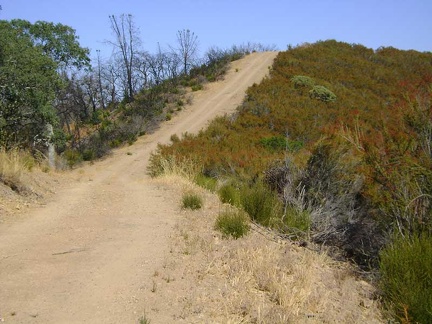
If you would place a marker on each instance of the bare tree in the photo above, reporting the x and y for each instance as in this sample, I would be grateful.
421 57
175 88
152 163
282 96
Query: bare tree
99 68
187 48
110 76
127 45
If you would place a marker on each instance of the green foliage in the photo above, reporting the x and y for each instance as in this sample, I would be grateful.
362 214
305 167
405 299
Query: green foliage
206 182
28 80
406 278
88 155
301 81
229 194
174 138
233 223
30 57
192 201
57 41
72 157
261 204
276 143
197 87
364 160
144 320
322 93
295 222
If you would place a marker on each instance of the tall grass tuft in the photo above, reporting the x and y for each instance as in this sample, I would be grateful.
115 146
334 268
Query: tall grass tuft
192 201
229 194
261 204
406 278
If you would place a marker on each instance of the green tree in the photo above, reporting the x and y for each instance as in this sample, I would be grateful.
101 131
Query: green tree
57 41
30 58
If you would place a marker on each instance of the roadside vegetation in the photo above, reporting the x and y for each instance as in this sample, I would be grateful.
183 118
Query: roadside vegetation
81 109
334 148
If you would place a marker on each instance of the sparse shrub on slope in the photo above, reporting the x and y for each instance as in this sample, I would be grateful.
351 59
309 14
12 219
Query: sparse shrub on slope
363 158
322 93
406 278
233 223
261 204
192 201
229 194
301 81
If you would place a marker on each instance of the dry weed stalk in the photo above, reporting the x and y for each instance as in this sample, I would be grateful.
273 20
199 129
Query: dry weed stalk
13 165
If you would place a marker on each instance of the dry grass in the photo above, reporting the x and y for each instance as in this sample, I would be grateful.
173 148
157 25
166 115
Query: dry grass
24 181
170 166
257 279
13 165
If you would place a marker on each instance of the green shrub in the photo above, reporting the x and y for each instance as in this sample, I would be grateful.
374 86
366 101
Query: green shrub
88 155
233 223
174 138
295 222
115 143
322 93
206 182
72 157
168 116
192 201
229 194
276 143
406 278
197 87
261 204
301 81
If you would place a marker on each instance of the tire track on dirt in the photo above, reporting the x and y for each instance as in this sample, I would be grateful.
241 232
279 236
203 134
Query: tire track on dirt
86 256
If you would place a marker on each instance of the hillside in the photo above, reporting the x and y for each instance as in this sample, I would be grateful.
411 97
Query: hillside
112 245
341 135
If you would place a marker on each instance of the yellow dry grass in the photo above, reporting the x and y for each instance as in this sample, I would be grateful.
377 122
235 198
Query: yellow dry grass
13 165
24 180
258 278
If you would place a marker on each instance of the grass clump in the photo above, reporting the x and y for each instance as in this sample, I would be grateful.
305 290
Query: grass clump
229 194
261 204
171 165
233 223
13 165
406 278
72 157
192 201
144 320
295 222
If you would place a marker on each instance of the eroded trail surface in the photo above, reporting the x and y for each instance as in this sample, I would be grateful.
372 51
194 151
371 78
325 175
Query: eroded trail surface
84 256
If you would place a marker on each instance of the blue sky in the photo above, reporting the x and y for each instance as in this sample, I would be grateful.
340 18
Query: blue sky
404 24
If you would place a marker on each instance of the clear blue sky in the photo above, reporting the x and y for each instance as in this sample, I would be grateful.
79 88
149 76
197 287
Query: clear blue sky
404 24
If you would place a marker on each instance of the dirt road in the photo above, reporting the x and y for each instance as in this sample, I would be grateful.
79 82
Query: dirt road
85 256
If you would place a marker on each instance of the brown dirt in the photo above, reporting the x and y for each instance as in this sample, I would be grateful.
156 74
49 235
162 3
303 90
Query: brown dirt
112 245
87 255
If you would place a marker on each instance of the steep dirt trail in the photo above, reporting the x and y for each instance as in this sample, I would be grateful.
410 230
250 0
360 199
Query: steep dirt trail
87 256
